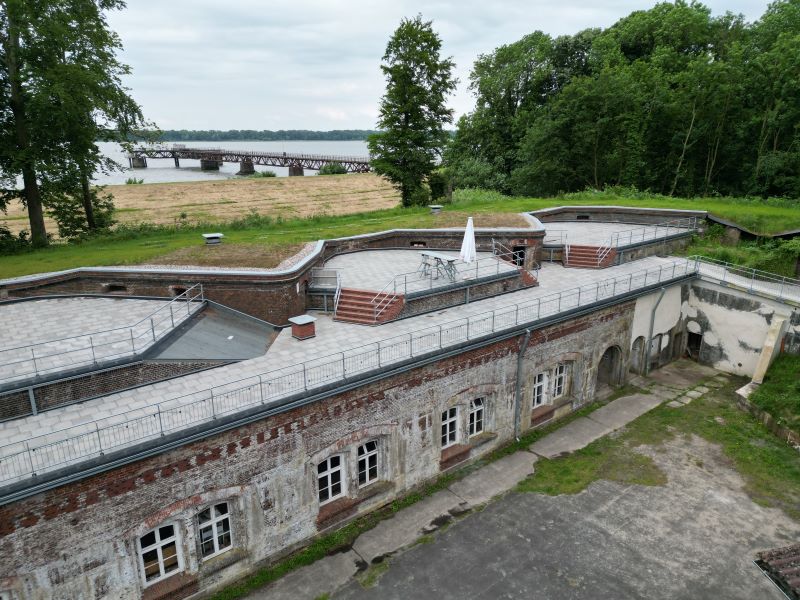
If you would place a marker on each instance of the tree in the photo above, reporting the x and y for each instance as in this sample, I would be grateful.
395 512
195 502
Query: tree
412 112
59 69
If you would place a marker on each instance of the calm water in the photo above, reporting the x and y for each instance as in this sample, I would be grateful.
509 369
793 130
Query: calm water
159 170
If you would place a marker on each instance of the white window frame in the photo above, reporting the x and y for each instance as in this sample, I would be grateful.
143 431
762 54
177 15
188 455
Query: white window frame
560 380
366 457
215 523
539 389
477 416
157 546
328 473
449 435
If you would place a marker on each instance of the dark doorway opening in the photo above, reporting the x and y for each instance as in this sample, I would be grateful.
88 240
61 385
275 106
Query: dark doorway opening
519 255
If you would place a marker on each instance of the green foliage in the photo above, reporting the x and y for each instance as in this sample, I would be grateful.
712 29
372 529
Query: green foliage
61 84
13 244
668 99
133 181
412 111
67 211
779 394
439 185
332 169
260 174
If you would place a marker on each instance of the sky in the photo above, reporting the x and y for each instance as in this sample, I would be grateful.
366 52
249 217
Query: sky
249 64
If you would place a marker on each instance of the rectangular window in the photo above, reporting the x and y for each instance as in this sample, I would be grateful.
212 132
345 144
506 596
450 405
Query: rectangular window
449 426
330 479
215 530
159 553
476 417
539 387
559 380
367 463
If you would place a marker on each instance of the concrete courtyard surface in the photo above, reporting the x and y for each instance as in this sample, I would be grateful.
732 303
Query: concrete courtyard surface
693 538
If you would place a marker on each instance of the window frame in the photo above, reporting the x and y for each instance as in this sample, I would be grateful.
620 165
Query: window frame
560 380
449 427
539 389
213 524
157 546
340 468
476 407
373 454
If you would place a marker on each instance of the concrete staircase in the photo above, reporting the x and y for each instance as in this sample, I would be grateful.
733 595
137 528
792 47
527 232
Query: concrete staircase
586 257
355 306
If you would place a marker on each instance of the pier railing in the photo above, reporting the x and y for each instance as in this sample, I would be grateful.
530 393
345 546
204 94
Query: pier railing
73 445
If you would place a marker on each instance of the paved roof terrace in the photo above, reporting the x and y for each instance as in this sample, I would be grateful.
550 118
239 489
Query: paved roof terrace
594 233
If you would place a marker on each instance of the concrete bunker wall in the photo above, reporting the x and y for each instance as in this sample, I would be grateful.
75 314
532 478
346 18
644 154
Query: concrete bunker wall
730 327
79 541
667 340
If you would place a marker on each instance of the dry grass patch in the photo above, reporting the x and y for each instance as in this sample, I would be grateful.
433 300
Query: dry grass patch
230 255
220 201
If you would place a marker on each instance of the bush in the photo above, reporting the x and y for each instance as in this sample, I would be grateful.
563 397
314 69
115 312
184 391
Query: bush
333 168
439 183
260 174
133 181
13 244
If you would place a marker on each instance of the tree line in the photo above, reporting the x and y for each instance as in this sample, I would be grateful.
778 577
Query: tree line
671 100
205 135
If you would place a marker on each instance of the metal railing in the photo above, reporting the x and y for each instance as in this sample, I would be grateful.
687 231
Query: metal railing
415 282
87 441
338 294
42 358
753 281
647 233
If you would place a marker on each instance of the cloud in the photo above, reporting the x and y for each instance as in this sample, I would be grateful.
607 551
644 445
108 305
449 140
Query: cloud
250 64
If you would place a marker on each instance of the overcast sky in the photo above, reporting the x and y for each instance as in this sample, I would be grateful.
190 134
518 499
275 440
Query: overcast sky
313 64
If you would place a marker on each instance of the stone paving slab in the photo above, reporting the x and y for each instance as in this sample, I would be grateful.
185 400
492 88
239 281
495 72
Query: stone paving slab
312 581
495 478
405 527
571 437
618 413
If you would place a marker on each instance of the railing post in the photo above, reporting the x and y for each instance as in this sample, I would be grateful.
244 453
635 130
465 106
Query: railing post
33 358
440 337
32 400
99 440
516 314
467 327
153 329
133 344
538 308
630 282
579 295
752 280
344 368
213 408
91 345
30 459
783 283
171 316
492 321
160 422
660 272
261 385
614 291
597 292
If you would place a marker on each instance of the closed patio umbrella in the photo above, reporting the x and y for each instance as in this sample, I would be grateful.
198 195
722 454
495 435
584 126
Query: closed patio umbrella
468 254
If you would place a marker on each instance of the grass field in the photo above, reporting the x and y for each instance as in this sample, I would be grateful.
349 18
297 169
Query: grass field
779 395
321 207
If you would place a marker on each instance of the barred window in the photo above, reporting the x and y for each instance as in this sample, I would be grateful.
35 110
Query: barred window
329 479
367 463
159 553
215 530
449 427
476 415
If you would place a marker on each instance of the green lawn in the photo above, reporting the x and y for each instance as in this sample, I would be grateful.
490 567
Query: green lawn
144 246
779 394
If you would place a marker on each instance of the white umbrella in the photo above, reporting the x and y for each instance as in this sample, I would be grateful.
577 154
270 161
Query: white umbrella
468 254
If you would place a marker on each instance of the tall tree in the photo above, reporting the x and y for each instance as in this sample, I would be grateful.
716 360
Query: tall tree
60 72
413 111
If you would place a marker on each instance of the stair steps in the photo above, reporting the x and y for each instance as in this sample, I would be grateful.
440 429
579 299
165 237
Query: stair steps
586 257
355 306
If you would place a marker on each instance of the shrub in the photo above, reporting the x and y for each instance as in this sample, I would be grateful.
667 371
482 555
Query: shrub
260 174
439 183
133 181
333 168
13 244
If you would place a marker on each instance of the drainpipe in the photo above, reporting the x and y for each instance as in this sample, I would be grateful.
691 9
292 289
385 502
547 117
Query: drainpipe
518 391
650 335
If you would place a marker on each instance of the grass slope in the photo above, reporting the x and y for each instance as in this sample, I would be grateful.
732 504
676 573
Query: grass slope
779 394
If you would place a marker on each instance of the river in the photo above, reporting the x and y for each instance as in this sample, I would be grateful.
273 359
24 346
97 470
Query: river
163 170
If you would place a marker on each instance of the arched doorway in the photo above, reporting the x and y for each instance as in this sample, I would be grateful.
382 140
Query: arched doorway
637 355
608 369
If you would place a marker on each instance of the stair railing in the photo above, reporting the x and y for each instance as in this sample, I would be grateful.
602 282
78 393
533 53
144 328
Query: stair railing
338 293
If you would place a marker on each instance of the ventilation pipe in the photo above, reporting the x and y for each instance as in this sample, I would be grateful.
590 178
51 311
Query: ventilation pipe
650 334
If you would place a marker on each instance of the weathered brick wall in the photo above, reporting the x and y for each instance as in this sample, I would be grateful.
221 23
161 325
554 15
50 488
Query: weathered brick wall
79 541
98 383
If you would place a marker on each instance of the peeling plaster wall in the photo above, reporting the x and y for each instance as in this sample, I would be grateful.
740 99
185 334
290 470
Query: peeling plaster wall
733 326
668 314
